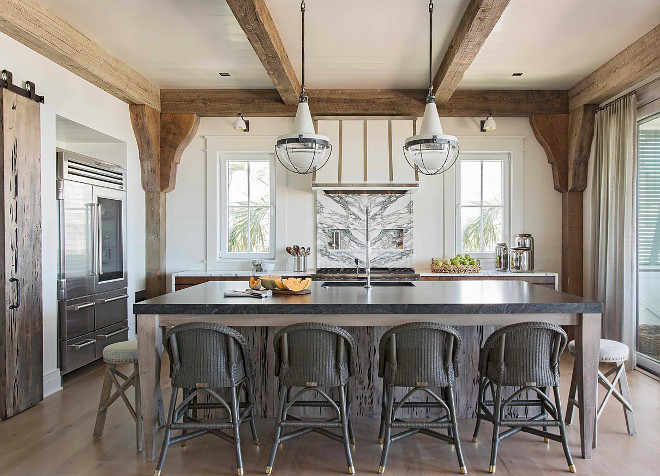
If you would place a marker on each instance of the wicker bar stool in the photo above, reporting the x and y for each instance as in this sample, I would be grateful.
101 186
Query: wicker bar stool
615 353
421 355
313 356
525 356
205 357
123 353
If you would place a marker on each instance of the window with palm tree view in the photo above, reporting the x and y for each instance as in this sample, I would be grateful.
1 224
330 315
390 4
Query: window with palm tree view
482 202
249 206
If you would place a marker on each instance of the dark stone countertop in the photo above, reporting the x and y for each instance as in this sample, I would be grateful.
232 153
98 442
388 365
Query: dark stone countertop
425 297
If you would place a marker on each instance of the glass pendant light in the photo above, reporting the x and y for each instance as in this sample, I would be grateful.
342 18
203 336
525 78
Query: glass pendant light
431 151
303 151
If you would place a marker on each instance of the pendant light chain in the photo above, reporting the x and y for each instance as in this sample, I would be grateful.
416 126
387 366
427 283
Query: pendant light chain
302 10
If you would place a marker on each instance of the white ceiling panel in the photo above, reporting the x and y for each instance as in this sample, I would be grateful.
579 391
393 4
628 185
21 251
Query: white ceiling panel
556 43
361 43
173 43
373 44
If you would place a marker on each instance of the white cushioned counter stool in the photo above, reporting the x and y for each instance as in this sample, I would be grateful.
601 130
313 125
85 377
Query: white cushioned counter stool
616 353
121 353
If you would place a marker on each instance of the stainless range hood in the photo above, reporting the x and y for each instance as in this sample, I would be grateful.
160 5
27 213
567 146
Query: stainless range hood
367 155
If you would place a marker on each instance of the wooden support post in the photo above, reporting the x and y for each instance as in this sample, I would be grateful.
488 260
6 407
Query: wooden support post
566 140
571 242
155 251
161 140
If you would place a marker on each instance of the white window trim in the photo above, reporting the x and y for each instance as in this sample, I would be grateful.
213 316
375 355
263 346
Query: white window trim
217 205
512 145
506 195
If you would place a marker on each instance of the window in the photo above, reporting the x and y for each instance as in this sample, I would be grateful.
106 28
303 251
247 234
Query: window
482 211
248 211
648 193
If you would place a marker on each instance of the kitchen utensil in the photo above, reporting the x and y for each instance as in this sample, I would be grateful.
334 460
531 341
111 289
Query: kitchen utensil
501 257
525 240
520 260
296 250
289 250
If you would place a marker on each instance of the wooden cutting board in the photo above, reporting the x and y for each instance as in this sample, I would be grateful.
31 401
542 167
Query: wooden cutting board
286 291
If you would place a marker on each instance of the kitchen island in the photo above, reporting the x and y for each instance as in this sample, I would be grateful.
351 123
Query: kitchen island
474 307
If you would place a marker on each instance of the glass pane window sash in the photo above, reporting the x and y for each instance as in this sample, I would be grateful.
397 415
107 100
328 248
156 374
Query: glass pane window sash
494 209
251 211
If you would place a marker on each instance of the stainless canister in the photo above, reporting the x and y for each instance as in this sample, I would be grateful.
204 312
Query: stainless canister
520 260
525 240
501 257
300 264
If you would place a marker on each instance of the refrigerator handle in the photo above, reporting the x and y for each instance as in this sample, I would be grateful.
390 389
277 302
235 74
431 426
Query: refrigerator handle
99 243
95 235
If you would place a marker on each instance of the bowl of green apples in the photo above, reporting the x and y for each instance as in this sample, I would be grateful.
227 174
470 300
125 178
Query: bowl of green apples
458 264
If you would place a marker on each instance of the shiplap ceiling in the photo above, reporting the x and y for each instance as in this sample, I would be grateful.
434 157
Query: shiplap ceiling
361 43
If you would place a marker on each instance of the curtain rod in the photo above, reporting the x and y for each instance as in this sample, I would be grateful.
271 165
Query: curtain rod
606 105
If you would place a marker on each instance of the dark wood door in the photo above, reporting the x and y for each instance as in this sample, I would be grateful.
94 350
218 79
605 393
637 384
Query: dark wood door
21 315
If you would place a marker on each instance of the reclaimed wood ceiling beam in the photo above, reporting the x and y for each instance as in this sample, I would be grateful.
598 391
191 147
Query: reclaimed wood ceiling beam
637 62
477 22
362 102
32 24
255 20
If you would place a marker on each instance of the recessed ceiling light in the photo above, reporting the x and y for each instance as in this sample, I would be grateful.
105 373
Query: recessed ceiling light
516 74
224 75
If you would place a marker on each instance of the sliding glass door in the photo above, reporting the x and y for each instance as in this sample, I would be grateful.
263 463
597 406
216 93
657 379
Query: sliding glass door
648 242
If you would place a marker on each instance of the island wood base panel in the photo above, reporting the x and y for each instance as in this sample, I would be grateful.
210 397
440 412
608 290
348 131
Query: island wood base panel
367 387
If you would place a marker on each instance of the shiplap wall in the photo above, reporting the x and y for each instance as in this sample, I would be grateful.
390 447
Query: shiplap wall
186 205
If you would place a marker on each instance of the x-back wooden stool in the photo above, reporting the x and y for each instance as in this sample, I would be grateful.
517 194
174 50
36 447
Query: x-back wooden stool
123 353
615 353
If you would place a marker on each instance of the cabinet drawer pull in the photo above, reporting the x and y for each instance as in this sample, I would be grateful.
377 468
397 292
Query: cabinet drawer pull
82 344
106 336
78 307
116 298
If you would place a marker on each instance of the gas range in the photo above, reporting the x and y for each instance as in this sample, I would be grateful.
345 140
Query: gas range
379 274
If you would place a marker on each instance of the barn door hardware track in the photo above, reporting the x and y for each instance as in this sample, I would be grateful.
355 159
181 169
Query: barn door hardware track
29 91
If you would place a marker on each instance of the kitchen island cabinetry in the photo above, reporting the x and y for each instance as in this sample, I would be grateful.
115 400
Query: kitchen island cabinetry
474 307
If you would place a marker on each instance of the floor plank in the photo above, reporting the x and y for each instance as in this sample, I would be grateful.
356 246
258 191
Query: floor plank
55 438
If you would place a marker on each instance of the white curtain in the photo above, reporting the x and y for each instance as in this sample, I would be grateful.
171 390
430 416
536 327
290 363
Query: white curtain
612 262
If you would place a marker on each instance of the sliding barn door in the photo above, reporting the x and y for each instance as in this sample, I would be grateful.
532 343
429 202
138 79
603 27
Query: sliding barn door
21 318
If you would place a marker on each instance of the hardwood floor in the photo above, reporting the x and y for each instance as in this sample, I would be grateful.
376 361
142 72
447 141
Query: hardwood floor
55 438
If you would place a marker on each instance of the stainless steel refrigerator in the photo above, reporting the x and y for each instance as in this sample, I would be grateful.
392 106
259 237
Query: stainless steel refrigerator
92 282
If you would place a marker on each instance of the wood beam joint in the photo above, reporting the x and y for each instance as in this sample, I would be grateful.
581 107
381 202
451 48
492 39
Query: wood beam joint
477 22
255 20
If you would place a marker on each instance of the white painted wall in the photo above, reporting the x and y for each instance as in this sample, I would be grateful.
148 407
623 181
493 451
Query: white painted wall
71 97
538 203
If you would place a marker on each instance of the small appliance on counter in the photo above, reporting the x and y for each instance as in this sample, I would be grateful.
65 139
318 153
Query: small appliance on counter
257 266
501 257
525 240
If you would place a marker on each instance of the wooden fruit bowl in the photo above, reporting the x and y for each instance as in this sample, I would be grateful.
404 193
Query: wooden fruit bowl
458 269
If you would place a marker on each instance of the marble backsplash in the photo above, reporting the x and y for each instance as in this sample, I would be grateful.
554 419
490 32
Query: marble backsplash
390 228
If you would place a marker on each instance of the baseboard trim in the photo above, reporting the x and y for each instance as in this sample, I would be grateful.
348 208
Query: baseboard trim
52 382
